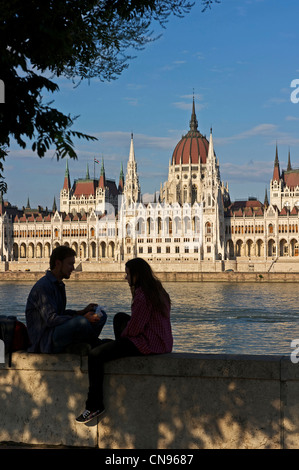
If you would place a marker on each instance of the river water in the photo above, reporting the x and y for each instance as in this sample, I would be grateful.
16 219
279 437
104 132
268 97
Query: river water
207 317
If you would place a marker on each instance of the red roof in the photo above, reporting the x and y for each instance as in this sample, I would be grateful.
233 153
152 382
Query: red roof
192 146
247 208
85 188
283 211
291 178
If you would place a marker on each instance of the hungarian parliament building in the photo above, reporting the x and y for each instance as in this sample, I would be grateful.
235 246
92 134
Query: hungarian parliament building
190 225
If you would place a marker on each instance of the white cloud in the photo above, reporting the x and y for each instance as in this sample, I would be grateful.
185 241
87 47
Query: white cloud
187 100
250 171
121 139
292 118
261 129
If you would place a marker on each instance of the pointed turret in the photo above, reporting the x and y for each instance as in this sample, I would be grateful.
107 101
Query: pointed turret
54 208
266 201
102 181
87 172
132 152
132 187
276 171
121 183
289 168
211 153
67 181
193 121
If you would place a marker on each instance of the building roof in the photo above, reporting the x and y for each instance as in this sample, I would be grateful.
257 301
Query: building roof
193 147
246 208
84 187
291 178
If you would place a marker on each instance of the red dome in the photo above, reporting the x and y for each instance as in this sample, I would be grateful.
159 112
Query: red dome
192 146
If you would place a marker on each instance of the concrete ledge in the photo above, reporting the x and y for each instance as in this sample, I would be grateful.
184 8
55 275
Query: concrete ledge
173 401
165 276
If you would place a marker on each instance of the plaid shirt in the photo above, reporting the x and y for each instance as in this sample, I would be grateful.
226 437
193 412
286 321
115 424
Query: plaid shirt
149 330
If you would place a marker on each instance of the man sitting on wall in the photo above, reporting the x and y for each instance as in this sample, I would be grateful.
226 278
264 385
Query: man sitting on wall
52 328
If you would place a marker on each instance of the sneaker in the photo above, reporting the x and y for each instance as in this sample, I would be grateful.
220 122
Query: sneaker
87 415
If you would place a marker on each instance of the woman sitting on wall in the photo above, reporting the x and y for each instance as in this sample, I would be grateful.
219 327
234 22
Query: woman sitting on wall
146 331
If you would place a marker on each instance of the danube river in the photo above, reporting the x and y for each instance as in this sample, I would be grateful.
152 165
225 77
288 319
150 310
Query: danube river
207 317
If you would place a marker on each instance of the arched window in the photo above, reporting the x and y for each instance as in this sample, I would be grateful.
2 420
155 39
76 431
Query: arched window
208 228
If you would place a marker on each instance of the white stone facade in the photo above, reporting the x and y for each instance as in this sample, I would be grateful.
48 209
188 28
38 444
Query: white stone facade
193 222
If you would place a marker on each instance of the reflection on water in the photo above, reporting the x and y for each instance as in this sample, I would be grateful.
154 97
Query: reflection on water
212 317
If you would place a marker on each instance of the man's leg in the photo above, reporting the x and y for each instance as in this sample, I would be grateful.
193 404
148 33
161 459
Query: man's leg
77 330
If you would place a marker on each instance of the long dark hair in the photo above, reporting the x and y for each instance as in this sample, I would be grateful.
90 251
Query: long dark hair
142 276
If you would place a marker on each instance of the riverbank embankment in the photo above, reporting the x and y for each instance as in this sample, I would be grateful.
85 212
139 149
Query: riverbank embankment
163 276
172 401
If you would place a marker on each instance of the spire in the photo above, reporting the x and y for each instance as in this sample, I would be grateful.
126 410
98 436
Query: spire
102 181
87 172
276 172
131 186
28 204
54 208
211 153
193 121
121 183
132 153
289 168
67 182
266 202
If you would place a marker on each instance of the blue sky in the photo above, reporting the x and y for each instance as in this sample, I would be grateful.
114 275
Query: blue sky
240 58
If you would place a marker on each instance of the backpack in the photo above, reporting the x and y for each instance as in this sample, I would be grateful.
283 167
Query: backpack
14 334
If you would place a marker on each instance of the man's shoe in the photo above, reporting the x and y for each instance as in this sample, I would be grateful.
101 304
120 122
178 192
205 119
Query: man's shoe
87 415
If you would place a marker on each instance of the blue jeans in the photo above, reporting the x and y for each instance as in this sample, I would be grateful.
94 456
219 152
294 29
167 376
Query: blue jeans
77 330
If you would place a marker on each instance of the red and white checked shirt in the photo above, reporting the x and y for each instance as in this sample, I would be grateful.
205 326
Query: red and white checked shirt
149 330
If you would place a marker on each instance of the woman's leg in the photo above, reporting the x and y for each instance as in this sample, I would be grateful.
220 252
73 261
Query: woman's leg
96 359
120 322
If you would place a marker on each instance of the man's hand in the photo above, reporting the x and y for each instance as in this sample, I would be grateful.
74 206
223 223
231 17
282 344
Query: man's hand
92 317
90 308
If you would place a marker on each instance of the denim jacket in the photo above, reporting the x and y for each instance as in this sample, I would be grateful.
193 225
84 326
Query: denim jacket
45 309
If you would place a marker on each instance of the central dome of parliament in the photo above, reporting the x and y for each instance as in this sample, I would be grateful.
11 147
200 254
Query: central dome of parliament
193 147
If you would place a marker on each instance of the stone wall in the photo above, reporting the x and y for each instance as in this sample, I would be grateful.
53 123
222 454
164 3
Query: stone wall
240 265
231 277
173 401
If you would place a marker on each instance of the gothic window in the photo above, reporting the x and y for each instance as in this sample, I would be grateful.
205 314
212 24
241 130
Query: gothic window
185 194
194 193
178 194
159 225
208 228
